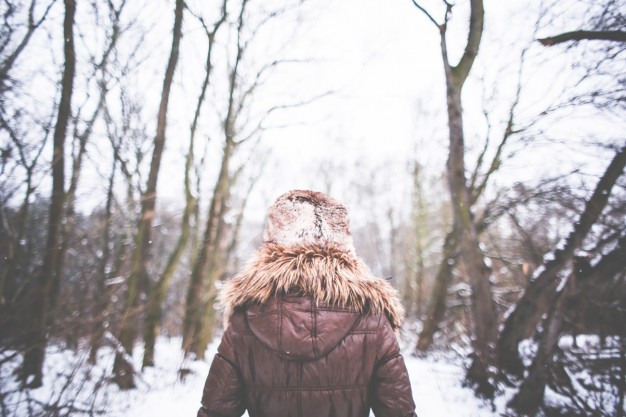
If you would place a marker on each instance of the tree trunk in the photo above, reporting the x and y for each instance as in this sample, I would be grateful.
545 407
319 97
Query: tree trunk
155 301
437 306
621 384
522 321
16 258
47 285
590 284
198 321
8 248
531 392
483 309
103 296
139 275
83 139
158 293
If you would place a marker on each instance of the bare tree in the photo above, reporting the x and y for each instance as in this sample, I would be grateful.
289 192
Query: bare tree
238 128
158 293
607 24
8 34
15 268
138 275
82 136
47 286
199 320
464 229
599 33
542 297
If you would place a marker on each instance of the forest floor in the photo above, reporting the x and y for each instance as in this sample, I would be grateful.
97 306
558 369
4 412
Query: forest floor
73 386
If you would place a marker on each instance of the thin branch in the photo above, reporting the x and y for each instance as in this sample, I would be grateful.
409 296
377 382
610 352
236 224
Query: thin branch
32 27
428 15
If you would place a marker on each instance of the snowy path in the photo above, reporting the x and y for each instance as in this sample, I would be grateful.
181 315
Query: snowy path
436 387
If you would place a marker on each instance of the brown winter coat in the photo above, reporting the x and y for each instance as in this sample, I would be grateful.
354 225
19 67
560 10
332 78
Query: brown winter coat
310 333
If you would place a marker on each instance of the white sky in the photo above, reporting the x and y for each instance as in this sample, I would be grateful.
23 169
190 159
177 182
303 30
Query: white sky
383 61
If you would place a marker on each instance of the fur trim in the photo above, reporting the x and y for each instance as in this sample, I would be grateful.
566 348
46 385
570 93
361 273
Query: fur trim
330 274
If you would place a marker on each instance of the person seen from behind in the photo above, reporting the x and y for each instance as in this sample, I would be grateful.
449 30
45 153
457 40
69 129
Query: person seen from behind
309 331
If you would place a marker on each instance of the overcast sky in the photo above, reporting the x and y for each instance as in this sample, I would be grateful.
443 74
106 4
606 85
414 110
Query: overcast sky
383 63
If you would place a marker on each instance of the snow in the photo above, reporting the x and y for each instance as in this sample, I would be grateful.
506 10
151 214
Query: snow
436 381
438 391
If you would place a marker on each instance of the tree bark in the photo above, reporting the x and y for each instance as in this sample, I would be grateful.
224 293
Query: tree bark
83 137
414 281
535 301
483 309
621 385
199 314
531 392
103 292
47 285
437 306
139 275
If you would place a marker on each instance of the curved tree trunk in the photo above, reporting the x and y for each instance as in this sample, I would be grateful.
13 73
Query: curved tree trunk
589 283
483 309
540 293
468 245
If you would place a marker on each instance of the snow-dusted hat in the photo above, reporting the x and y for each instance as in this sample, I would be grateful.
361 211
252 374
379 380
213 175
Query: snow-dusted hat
302 217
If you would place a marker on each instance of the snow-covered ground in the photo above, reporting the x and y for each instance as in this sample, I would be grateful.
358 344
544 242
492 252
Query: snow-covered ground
436 382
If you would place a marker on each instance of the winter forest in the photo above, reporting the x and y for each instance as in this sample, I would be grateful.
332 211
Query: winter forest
479 144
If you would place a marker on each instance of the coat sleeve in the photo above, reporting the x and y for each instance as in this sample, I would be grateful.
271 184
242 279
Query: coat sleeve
223 394
391 388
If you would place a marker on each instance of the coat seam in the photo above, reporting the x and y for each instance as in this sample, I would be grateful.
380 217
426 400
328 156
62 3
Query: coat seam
362 332
385 361
307 389
279 326
314 332
299 392
230 378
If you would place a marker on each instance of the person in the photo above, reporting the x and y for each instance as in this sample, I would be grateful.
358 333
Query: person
309 331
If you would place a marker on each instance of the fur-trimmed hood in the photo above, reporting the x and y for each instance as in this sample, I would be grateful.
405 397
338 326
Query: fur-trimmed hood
330 274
